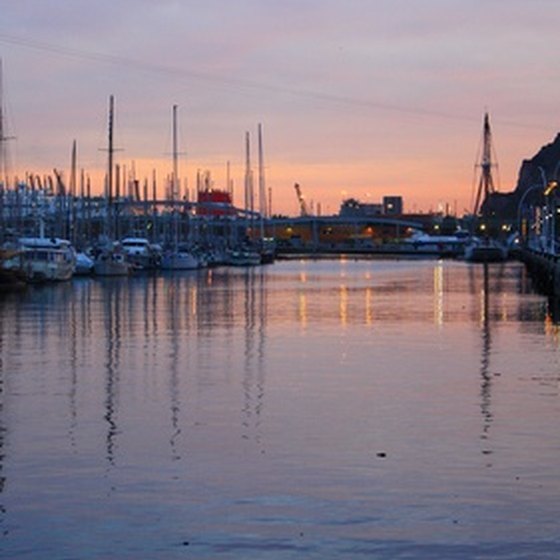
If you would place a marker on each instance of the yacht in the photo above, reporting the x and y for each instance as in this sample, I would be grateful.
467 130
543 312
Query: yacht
140 253
442 245
111 261
45 259
179 259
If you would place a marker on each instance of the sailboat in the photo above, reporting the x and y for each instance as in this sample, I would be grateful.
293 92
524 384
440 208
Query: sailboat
485 248
110 261
177 257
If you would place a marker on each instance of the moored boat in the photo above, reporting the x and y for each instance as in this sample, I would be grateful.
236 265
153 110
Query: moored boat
267 250
484 250
179 259
139 252
111 262
44 259
84 264
440 245
243 257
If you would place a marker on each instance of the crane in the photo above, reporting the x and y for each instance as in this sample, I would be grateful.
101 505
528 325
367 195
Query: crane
61 186
302 206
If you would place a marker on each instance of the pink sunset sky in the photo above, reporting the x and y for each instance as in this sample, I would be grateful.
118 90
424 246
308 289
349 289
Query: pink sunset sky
356 98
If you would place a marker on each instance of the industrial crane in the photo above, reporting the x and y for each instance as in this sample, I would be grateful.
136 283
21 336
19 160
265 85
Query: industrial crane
302 206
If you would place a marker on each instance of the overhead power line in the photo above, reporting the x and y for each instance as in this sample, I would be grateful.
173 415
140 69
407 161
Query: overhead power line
184 74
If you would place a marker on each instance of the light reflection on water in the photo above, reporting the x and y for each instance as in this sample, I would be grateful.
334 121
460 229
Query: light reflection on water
332 409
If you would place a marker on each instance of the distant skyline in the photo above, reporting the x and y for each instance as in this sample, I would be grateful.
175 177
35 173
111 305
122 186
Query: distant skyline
357 98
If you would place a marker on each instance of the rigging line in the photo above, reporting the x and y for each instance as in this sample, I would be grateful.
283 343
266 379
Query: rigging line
496 166
475 175
245 84
474 185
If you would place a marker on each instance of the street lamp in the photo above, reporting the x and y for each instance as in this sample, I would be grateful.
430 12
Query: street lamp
520 205
543 176
549 219
556 169
551 215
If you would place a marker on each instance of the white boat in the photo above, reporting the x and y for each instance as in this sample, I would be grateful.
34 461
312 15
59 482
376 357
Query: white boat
140 253
179 259
443 245
111 262
485 249
243 257
84 264
44 259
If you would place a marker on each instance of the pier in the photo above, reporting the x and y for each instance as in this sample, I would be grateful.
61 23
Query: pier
539 247
544 268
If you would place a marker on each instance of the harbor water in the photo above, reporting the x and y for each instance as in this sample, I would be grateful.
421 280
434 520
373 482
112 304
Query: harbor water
306 409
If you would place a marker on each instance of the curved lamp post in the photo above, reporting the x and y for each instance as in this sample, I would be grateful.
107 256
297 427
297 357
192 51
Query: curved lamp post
551 215
520 204
548 188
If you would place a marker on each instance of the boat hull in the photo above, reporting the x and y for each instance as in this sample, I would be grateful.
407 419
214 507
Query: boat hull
243 258
84 265
179 261
47 259
111 265
485 252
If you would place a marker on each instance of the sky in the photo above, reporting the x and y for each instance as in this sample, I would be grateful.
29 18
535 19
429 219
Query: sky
357 98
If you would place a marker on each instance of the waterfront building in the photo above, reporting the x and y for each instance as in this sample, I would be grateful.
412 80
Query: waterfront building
392 205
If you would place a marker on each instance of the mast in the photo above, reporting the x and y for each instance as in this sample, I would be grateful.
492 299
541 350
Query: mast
249 195
3 153
3 172
72 197
73 170
3 139
486 182
110 151
262 189
117 198
154 232
112 216
228 180
174 182
175 194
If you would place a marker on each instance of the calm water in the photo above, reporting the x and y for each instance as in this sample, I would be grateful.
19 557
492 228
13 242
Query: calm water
334 409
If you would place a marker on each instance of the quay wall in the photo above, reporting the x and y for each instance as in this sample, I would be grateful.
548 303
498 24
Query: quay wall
544 268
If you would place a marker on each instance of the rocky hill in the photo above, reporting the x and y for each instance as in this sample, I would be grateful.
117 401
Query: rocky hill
548 159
